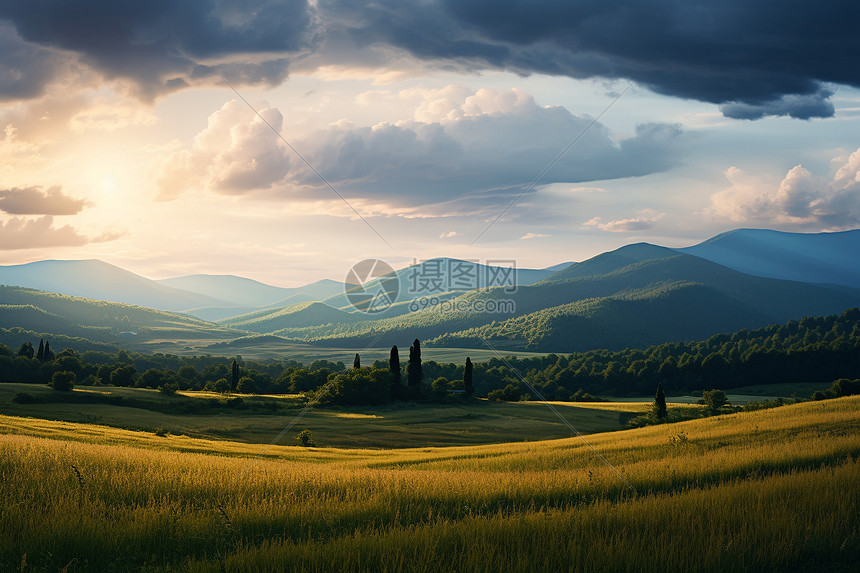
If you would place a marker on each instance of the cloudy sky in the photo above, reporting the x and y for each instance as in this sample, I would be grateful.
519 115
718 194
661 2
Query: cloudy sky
285 140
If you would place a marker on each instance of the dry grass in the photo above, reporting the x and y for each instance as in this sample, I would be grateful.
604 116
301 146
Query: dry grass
768 490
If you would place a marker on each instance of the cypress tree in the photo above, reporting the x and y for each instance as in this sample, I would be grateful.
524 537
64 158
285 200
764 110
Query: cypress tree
40 355
394 368
356 362
235 376
414 373
49 354
660 402
467 378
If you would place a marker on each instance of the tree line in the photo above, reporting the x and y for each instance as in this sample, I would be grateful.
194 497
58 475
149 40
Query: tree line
811 350
324 381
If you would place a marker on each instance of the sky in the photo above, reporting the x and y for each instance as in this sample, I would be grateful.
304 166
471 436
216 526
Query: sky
287 140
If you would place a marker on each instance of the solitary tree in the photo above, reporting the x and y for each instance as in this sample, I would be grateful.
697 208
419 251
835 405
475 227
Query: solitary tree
394 369
660 402
467 378
40 354
356 362
234 380
714 400
305 439
63 381
414 373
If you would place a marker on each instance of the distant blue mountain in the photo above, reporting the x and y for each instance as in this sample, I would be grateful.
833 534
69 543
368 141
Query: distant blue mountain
243 292
806 257
444 277
96 279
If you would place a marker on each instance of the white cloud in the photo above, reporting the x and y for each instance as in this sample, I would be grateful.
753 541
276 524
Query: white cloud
528 236
33 201
111 114
14 152
800 199
646 219
236 153
463 151
448 235
20 233
587 190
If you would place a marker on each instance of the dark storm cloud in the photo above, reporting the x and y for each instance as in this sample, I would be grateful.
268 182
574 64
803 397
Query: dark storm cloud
752 57
755 57
162 45
25 68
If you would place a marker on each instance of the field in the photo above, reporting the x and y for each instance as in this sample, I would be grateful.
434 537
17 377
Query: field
391 426
772 490
252 349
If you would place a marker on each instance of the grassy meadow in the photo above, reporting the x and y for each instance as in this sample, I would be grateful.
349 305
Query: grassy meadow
772 490
389 426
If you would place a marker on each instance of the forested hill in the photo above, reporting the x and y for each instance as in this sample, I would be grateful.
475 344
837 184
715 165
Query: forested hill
810 350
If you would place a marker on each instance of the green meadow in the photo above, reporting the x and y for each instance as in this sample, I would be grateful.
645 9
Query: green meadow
398 425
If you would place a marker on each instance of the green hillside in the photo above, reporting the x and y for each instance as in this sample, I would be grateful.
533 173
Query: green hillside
97 320
634 300
295 316
648 316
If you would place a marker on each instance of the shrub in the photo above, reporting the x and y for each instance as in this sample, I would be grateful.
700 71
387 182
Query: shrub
24 398
510 393
440 387
169 388
583 396
714 400
221 385
845 387
247 385
63 381
305 439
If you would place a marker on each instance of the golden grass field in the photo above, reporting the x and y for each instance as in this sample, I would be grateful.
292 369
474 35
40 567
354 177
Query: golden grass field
773 490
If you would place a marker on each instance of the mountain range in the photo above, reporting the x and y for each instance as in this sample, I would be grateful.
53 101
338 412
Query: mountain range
637 295
806 257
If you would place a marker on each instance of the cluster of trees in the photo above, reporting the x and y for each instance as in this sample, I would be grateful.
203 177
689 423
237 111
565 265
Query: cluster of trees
325 381
818 349
383 382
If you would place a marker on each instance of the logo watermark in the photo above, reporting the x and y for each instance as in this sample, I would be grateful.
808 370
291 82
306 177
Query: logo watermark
372 285
456 305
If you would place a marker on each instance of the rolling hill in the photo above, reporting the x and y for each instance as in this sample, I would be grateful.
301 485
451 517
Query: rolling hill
96 320
445 277
638 294
295 316
248 293
807 257
98 280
